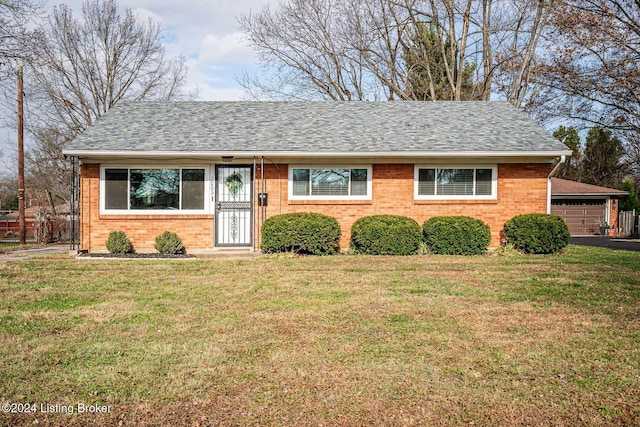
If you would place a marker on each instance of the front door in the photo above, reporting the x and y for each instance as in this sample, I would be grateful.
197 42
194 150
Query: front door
233 218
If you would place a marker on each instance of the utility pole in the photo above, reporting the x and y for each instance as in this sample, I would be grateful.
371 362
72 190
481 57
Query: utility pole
21 222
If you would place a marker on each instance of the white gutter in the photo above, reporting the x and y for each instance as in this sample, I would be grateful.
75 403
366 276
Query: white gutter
563 159
209 154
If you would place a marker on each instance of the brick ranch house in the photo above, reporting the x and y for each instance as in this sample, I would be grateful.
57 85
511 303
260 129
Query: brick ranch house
214 171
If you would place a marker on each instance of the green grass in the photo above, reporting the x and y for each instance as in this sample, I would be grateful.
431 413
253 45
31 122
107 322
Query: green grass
344 340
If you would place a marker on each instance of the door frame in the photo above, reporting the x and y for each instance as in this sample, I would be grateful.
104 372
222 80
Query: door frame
216 168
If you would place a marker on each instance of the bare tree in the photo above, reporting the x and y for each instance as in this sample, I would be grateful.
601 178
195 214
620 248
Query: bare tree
8 192
591 73
308 47
85 65
356 49
592 70
14 17
517 57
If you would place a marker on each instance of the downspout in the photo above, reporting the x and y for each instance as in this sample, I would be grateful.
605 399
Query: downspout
563 159
262 208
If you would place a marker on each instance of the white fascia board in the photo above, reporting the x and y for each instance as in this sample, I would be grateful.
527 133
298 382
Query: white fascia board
319 154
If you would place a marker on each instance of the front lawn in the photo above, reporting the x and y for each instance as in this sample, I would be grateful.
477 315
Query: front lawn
344 340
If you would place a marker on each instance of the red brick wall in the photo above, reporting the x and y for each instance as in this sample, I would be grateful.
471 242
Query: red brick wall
522 188
196 231
613 213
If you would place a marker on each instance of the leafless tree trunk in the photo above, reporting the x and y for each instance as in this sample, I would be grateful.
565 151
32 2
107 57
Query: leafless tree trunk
487 48
522 74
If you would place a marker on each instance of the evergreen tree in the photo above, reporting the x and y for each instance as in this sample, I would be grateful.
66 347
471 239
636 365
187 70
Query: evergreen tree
571 168
602 163
630 202
427 78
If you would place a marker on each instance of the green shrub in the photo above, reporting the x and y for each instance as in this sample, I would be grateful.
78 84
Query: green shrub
119 243
385 235
305 233
456 235
169 243
537 233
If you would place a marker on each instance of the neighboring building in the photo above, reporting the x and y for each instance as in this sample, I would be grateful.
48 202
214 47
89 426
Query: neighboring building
585 207
200 169
40 223
10 225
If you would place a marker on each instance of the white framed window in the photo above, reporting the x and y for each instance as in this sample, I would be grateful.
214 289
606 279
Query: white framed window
329 182
154 190
456 182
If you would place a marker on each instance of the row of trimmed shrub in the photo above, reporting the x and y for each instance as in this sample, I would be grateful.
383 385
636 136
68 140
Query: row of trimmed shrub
166 243
317 234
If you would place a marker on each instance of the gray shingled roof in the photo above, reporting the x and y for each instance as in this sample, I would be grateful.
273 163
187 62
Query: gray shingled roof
318 127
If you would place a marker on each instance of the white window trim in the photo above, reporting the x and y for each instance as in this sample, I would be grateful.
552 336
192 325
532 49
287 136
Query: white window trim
494 182
337 198
207 193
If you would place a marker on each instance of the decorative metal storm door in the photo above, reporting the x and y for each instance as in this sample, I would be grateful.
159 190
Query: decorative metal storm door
233 206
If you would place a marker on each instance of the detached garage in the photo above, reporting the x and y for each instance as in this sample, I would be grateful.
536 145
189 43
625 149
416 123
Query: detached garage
584 206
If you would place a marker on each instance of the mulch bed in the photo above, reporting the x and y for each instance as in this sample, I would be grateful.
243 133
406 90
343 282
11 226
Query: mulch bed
137 256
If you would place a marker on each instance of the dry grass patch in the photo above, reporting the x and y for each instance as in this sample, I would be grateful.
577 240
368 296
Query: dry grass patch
345 340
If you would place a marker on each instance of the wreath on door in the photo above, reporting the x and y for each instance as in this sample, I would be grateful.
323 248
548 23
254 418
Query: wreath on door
234 183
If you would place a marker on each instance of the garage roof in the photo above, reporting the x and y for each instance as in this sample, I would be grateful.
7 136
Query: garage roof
564 187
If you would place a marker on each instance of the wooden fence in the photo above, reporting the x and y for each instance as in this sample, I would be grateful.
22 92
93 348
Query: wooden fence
628 223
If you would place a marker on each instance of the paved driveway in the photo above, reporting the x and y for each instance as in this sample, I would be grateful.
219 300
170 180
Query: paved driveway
608 242
33 253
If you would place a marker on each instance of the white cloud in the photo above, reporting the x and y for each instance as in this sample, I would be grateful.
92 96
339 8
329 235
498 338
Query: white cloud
207 33
221 94
229 48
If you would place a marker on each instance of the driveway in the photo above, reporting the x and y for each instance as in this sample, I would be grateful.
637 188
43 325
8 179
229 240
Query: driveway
608 242
33 253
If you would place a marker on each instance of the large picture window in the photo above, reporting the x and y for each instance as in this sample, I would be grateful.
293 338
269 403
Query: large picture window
154 189
330 183
456 183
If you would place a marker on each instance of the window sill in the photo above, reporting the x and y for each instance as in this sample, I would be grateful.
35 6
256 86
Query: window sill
330 202
456 202
154 217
